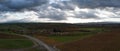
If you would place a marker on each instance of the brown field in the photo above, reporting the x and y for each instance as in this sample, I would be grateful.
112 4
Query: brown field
47 40
9 36
105 41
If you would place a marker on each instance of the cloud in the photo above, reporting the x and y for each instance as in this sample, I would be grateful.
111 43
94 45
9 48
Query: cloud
19 4
64 5
96 3
75 11
51 13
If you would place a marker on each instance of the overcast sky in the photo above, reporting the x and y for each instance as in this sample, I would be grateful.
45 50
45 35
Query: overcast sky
65 11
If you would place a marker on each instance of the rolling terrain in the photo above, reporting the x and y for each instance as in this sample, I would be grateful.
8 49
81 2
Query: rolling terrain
67 37
105 41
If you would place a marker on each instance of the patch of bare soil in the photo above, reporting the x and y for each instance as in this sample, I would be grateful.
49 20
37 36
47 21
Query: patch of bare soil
106 41
47 40
9 36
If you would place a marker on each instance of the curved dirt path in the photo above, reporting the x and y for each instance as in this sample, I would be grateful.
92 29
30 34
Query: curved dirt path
40 43
35 40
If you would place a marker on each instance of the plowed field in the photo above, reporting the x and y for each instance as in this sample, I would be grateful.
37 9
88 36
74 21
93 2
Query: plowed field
9 36
105 41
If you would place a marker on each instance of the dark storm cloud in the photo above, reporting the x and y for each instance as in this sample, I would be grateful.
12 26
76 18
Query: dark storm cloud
19 4
54 16
97 3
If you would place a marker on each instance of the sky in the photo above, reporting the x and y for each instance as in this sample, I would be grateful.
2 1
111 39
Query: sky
60 11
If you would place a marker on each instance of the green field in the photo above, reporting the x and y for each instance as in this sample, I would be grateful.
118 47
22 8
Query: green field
77 35
15 43
69 38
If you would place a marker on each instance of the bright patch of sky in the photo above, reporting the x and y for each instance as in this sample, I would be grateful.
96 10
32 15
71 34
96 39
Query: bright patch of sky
55 1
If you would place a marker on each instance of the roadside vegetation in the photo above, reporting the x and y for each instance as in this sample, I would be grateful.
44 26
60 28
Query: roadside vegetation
15 43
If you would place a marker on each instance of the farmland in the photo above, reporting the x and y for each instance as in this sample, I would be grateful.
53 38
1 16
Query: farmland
106 41
82 33
15 43
65 37
8 41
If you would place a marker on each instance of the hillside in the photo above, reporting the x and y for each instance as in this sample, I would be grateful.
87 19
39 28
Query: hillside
105 41
69 37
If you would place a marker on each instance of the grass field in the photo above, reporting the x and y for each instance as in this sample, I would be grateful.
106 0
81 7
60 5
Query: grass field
10 41
15 43
70 38
77 35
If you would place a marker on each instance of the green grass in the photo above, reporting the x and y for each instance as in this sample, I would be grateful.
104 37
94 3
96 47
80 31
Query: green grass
77 35
71 38
15 43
